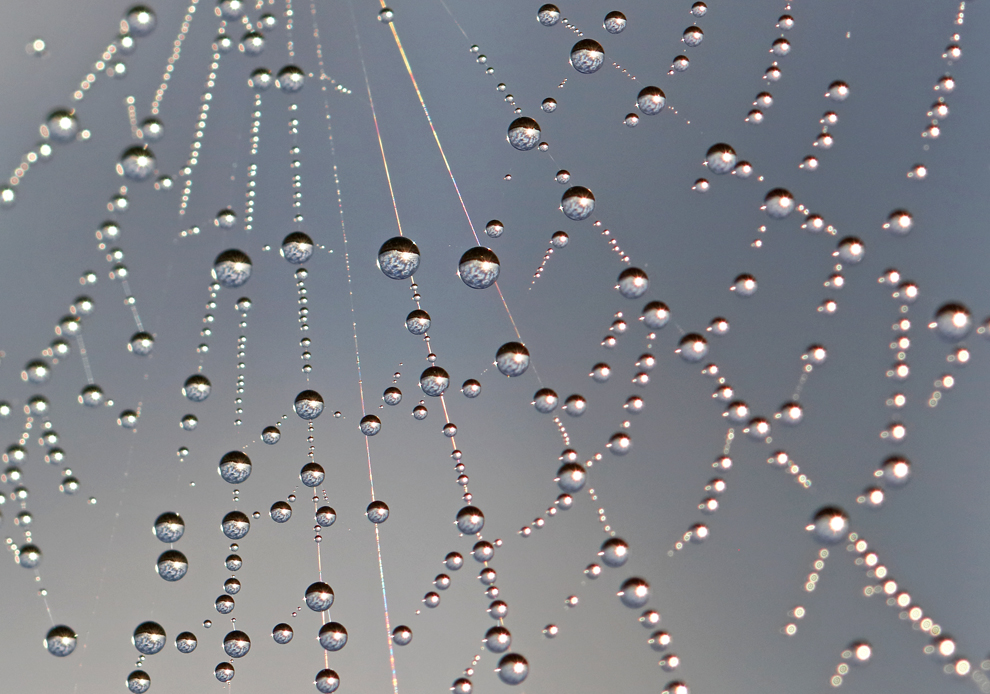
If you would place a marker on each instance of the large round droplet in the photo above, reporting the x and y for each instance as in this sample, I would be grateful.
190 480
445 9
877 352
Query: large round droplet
235 525
61 126
290 79
615 22
327 681
312 474
830 525
169 527
545 400
377 512
693 36
224 672
319 596
512 359
692 347
140 20
398 258
634 592
333 636
614 552
186 642
523 134
29 556
418 322
282 633
498 639
138 681
261 79
720 159
512 668
587 56
470 520
953 322
232 268
370 425
297 248
633 283
434 381
655 315
577 203
234 467
548 15
571 477
778 203
308 404
325 516
651 100
136 163
149 638
61 640
141 344
280 511
402 635
478 268
236 644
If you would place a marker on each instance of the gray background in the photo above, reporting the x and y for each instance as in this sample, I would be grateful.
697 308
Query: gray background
724 601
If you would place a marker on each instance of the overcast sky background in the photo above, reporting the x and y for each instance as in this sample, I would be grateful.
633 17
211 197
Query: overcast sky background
724 601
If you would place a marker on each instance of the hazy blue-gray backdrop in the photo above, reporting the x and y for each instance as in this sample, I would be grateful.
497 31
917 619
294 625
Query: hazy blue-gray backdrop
724 601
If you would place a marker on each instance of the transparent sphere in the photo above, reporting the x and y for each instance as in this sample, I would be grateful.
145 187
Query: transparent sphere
169 527
280 511
92 396
226 218
136 163
470 520
634 592
494 228
498 639
398 258
633 283
512 359
562 176
319 596
577 203
523 134
575 405
128 419
418 322
693 348
453 561
377 511
791 413
571 477
402 635
392 396
587 56
434 381
37 371
290 79
655 315
780 47
333 636
614 552
61 126
233 562
838 90
308 404
312 474
297 248
224 672
29 556
230 9
830 525
231 586
899 222
172 565
614 22
462 685
680 63
325 516
235 525
234 467
549 105
282 633
370 425
138 681
699 9
60 640
186 642
512 668
720 159
478 268
559 239
386 15
693 36
252 43
744 285
896 471
271 435
778 203
545 400
140 20
953 322
232 268
619 443
420 412
548 15
152 129
236 644
651 100
851 250
261 79
149 638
